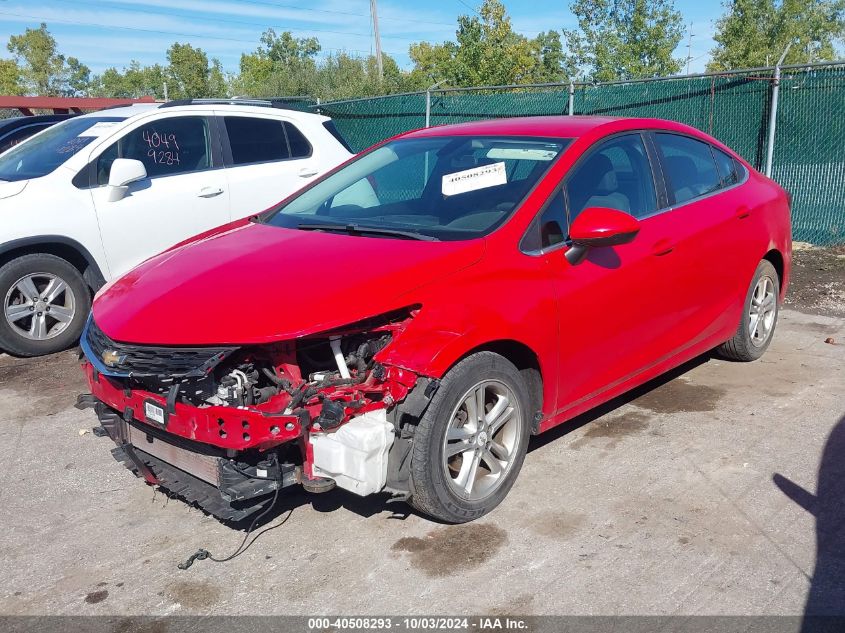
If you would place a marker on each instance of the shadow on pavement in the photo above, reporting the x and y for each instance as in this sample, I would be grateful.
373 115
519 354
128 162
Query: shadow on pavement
827 587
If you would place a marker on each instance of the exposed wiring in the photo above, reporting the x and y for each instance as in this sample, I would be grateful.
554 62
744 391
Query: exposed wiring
202 554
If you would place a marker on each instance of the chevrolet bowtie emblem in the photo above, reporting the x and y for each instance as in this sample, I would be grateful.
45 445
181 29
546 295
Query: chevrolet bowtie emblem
112 358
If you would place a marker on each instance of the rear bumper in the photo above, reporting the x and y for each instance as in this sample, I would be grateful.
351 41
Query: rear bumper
198 473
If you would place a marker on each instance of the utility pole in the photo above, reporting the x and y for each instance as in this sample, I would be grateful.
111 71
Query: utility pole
689 47
374 13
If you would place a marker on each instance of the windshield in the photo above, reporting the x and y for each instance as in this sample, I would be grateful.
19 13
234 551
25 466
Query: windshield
42 154
445 187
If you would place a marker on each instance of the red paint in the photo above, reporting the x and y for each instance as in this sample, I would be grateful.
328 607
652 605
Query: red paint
599 328
599 223
65 104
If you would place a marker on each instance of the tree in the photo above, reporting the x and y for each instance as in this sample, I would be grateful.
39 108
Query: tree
189 75
133 82
489 52
10 77
43 70
282 65
77 78
625 39
754 33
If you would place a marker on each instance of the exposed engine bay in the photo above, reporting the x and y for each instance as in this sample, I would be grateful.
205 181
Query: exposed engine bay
248 420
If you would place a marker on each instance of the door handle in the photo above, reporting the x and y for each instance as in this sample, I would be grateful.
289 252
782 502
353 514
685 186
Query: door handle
743 212
307 172
662 247
210 192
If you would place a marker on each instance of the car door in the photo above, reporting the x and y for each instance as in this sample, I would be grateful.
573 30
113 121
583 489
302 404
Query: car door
706 217
615 306
183 195
266 158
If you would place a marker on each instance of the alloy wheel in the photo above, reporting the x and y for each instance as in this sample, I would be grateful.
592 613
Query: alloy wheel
762 311
481 440
39 306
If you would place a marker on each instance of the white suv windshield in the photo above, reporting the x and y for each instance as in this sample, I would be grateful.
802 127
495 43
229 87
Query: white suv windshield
42 154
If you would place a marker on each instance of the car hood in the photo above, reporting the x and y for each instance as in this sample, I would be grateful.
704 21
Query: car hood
11 188
257 284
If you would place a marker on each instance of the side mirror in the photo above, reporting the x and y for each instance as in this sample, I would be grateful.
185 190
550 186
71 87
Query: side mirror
123 172
599 226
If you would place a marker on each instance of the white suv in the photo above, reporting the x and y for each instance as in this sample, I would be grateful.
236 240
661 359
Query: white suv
86 200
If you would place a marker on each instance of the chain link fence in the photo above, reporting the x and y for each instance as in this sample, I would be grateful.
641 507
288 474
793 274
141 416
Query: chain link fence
734 107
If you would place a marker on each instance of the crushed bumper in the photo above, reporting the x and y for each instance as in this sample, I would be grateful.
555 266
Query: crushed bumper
199 473
225 427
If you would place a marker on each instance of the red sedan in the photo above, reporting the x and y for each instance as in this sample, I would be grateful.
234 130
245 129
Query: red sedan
406 322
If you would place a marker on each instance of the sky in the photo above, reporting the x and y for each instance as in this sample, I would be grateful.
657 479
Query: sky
105 33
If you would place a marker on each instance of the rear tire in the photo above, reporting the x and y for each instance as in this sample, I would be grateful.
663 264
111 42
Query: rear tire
464 464
759 317
45 304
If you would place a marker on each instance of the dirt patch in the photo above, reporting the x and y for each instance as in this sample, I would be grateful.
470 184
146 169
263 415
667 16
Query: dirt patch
46 385
679 396
818 281
453 549
613 428
96 597
194 595
557 525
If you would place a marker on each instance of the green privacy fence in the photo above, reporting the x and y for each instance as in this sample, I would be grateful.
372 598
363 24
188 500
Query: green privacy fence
735 107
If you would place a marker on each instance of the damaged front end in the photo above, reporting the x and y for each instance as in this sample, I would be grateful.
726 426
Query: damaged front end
226 427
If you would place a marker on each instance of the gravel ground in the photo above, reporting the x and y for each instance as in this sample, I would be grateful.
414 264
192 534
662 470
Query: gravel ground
717 489
818 281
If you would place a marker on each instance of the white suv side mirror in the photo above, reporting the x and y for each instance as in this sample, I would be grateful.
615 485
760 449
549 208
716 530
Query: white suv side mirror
123 172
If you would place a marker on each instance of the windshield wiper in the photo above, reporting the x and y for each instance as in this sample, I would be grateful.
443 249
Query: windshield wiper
357 229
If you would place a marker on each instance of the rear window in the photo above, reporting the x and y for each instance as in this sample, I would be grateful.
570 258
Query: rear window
727 168
690 168
299 145
332 129
255 140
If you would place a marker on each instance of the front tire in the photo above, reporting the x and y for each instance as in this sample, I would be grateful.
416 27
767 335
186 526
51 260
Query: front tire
45 304
470 443
759 317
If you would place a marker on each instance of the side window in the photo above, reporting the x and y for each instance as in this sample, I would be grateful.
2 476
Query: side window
690 167
166 147
299 145
254 140
727 168
617 174
553 221
549 228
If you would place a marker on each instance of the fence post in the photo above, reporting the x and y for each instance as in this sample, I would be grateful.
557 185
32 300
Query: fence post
571 99
428 108
773 113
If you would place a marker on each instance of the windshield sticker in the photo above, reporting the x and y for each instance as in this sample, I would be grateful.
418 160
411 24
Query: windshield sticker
474 179
99 128
521 153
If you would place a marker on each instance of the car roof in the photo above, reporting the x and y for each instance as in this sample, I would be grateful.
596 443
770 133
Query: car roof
224 106
122 111
560 126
